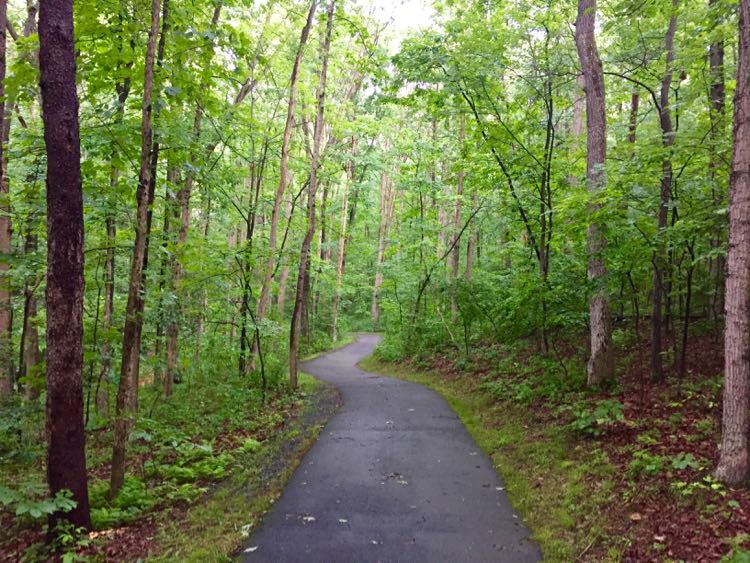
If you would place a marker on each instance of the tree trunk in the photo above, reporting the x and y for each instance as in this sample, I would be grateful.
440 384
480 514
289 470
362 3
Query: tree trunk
635 100
660 254
304 256
386 212
30 341
284 276
66 454
6 316
455 255
183 199
341 258
265 292
472 244
601 362
128 387
734 463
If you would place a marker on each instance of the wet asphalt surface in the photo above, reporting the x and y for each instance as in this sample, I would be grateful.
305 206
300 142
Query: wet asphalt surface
394 477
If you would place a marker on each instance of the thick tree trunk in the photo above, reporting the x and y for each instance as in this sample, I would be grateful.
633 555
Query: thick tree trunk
660 254
734 463
265 292
66 454
6 317
601 362
128 387
304 257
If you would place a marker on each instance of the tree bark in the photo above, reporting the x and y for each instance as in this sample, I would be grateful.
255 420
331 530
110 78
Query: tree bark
265 292
128 387
6 316
601 362
304 257
66 454
660 254
734 462
341 257
30 342
387 199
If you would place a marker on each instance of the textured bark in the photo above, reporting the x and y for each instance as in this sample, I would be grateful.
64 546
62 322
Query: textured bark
128 386
734 463
601 361
265 292
304 258
6 318
635 100
660 254
66 454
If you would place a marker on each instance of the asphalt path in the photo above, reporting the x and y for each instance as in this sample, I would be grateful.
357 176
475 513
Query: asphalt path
394 477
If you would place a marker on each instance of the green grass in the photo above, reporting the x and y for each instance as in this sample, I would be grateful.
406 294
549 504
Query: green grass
218 525
561 489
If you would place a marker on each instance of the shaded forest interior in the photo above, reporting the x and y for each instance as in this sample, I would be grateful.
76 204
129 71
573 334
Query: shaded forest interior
544 206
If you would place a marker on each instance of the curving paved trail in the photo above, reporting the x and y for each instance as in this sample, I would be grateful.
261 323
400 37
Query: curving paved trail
393 477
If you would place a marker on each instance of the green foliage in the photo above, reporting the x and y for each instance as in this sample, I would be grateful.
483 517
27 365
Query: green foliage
593 419
31 500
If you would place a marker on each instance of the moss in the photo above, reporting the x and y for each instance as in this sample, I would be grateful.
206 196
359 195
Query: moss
561 492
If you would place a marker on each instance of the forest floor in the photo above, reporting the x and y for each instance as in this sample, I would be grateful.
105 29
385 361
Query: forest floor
201 473
615 475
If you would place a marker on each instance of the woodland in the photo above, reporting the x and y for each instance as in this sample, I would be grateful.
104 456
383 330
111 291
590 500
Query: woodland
543 206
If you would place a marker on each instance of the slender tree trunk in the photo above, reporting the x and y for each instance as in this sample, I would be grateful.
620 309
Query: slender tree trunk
66 453
635 101
306 242
128 387
183 200
601 362
284 276
472 244
734 463
660 254
341 258
31 356
386 211
265 293
6 317
455 256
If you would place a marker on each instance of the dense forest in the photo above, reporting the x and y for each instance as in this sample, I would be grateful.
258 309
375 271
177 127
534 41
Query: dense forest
544 207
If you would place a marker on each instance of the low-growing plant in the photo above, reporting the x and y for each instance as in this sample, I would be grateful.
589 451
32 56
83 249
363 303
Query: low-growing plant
31 500
645 463
593 419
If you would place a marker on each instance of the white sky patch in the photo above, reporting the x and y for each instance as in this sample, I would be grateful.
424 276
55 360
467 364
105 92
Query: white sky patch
402 16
